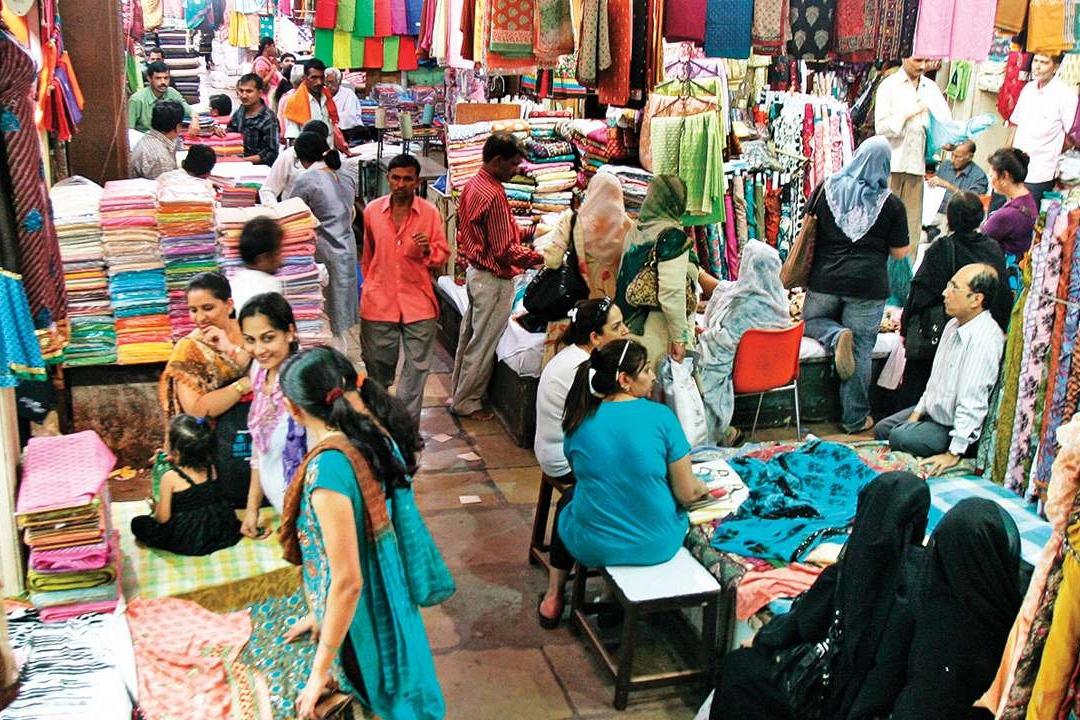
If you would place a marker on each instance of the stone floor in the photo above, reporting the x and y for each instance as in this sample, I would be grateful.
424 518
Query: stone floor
493 660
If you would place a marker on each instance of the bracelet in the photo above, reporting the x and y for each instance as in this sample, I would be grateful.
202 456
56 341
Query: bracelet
239 388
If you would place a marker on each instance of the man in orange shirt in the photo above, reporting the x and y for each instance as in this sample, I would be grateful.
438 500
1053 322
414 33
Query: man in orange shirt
403 241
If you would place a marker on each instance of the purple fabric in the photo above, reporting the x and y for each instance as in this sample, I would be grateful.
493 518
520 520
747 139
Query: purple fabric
295 450
399 20
732 244
1012 224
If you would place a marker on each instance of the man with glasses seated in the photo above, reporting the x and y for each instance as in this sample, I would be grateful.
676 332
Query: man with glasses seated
945 425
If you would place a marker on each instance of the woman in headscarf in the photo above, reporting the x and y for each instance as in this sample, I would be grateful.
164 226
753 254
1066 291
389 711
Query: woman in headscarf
659 238
860 225
756 300
599 231
861 590
947 652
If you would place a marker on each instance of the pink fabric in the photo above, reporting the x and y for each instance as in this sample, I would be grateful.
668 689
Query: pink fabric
266 410
66 612
758 588
79 557
955 30
63 471
731 246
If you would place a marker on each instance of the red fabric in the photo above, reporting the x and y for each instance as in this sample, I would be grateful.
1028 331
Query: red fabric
855 31
325 14
468 30
613 84
683 20
1017 74
397 276
487 235
373 53
407 53
383 19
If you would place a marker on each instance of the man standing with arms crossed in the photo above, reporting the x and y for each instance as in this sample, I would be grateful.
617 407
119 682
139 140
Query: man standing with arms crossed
489 242
403 241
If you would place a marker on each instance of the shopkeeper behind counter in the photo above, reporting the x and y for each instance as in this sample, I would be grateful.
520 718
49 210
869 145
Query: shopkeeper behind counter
141 104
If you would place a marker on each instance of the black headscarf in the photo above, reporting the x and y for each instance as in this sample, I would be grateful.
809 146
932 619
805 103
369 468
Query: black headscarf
965 611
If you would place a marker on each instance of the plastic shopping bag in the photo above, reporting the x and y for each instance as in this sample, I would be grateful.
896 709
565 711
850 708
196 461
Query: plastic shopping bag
682 395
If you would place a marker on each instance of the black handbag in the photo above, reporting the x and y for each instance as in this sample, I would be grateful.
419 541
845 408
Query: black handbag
924 329
554 292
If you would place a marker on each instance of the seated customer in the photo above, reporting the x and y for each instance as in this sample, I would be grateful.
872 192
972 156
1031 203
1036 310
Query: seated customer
924 313
946 422
155 153
860 593
260 249
626 506
956 175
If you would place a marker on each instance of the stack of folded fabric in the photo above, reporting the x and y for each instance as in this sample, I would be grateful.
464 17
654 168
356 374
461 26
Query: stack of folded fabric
599 144
188 244
635 183
519 193
75 203
301 277
465 151
183 61
240 182
63 511
229 147
553 165
544 124
136 271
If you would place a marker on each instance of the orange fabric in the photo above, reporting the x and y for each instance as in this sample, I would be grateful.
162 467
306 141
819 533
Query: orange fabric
407 53
65 60
298 109
613 84
373 52
397 276
1046 27
383 24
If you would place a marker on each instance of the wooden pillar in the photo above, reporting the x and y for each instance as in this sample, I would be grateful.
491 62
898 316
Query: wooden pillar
94 37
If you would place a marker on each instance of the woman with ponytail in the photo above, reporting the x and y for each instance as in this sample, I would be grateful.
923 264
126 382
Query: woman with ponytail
631 461
330 195
337 523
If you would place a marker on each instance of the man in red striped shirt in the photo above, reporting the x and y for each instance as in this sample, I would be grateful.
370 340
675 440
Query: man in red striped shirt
489 242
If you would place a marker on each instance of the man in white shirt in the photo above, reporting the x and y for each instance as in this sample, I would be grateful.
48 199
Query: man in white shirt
902 108
948 420
286 168
311 101
348 105
1044 113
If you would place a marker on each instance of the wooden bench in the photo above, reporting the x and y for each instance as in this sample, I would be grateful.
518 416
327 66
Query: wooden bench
678 584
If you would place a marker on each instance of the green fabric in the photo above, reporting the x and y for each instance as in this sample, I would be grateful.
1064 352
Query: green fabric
701 167
346 15
959 81
356 50
134 70
48 581
427 76
900 274
141 106
56 598
659 224
1010 386
390 49
266 26
364 22
324 45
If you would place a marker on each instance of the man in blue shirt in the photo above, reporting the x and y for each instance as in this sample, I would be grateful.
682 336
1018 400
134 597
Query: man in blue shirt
956 175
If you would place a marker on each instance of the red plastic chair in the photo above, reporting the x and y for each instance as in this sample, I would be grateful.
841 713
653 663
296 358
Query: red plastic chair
767 360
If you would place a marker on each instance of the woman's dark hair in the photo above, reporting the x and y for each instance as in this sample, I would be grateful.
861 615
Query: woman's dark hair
281 89
191 442
214 283
264 42
260 236
312 147
589 387
277 312
590 316
200 160
319 379
964 212
316 126
1012 161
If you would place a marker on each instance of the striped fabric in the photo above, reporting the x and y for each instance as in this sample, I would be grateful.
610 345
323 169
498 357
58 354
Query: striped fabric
39 261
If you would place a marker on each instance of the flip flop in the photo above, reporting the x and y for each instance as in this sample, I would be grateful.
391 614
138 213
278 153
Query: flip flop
547 623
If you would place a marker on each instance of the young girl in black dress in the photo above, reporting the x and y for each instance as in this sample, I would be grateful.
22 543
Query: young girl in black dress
191 517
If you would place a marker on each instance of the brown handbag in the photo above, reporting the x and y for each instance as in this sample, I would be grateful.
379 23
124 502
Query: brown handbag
796 269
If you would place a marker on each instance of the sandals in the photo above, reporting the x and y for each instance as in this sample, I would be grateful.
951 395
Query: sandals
547 623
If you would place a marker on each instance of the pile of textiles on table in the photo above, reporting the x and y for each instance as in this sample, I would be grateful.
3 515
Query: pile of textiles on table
63 511
136 271
465 151
184 65
188 244
240 182
229 147
301 277
544 124
552 165
75 203
519 193
599 144
635 183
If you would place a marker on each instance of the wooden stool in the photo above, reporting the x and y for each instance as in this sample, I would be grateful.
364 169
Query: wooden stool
679 583
540 543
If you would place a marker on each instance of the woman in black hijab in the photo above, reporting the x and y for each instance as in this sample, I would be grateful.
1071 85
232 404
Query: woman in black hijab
890 523
961 620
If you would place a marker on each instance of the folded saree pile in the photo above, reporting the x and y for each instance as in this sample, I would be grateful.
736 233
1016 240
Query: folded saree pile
63 511
75 203
301 278
635 183
188 244
239 182
129 210
228 146
465 150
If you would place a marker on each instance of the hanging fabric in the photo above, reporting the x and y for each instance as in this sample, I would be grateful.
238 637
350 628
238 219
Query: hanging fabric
955 30
770 26
684 20
613 84
811 29
728 28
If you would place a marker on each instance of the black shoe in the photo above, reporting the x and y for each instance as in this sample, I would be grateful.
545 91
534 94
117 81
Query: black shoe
547 623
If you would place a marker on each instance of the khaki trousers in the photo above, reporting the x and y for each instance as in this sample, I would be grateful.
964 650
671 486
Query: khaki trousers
382 341
490 301
909 188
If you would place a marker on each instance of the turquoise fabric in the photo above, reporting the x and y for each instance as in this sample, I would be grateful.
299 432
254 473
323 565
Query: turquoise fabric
623 511
20 352
387 632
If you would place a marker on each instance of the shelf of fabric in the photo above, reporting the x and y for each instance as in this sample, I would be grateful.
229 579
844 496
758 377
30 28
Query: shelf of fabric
188 243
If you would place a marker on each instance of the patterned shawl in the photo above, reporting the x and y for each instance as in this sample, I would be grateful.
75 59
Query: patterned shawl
197 365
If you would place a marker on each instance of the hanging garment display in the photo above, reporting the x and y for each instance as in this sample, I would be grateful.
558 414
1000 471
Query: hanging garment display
728 28
770 26
1046 28
955 30
684 20
811 28
855 28
613 84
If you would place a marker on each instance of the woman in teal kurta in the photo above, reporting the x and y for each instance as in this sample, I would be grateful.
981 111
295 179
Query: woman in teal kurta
336 520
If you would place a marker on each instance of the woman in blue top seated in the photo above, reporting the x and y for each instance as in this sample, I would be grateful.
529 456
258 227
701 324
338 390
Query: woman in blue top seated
632 464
